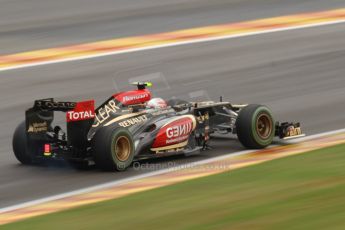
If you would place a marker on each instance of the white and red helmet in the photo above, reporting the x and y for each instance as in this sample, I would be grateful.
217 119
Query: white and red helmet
156 103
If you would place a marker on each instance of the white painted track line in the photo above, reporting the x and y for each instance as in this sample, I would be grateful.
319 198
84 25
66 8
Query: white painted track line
194 41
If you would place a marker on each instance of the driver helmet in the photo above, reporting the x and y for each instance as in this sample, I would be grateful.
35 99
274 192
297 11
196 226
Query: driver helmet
156 103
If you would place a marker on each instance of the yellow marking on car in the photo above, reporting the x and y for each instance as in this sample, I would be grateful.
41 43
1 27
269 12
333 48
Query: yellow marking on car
175 146
126 116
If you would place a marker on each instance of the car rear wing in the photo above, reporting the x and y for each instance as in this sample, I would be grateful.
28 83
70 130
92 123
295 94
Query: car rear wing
51 105
79 117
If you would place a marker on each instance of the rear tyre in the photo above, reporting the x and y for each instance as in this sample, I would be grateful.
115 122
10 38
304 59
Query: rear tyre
255 126
113 149
23 148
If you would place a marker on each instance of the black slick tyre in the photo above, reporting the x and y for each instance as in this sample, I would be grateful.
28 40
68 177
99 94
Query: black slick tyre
113 149
255 126
24 149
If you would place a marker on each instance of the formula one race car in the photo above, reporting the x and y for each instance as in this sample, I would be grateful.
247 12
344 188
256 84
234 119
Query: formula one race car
131 126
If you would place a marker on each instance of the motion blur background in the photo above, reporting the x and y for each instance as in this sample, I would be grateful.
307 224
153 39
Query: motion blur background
298 73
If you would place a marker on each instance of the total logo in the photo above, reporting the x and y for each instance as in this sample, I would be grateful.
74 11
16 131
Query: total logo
82 111
79 116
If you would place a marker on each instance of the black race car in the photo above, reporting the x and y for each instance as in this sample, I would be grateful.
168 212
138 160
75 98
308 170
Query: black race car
127 127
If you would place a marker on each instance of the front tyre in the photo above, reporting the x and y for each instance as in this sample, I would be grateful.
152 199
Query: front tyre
255 126
23 148
113 149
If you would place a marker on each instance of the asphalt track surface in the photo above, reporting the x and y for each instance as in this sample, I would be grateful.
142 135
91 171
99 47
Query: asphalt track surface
34 24
300 74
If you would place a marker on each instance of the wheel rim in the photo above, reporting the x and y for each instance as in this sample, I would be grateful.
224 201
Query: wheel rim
264 126
122 148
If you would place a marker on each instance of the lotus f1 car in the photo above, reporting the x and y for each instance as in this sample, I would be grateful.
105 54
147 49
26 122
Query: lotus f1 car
126 128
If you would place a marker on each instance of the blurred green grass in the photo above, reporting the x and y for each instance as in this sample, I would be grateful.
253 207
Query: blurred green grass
299 192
